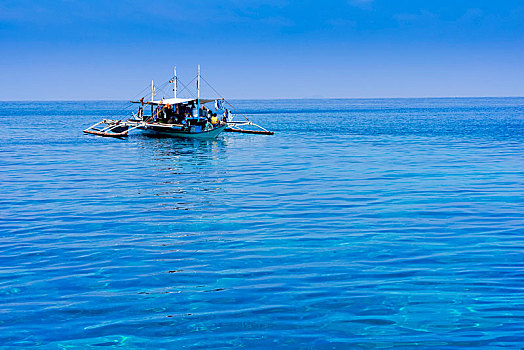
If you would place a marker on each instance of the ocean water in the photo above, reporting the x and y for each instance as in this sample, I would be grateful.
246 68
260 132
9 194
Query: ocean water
361 224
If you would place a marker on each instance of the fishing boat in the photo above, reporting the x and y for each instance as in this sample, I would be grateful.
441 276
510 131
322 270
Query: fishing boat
201 118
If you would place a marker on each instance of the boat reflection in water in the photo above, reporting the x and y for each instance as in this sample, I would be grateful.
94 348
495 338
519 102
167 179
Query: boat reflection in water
188 173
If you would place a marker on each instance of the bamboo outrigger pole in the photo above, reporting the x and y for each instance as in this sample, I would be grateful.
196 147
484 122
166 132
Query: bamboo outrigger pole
107 130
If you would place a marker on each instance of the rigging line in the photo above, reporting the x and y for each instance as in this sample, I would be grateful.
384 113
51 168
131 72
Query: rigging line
122 108
216 92
126 106
183 87
161 87
141 92
186 86
226 101
178 82
236 111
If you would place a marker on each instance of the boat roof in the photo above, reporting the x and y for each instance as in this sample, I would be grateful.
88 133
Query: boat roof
175 101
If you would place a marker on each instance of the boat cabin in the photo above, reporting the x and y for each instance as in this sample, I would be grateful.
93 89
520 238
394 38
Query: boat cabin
184 113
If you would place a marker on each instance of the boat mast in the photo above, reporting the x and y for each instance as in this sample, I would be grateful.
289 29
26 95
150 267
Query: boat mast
198 91
152 90
152 96
174 83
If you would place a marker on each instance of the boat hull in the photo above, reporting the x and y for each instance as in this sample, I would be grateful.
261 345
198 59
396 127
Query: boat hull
172 132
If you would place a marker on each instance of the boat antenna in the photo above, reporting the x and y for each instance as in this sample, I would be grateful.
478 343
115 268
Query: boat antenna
175 83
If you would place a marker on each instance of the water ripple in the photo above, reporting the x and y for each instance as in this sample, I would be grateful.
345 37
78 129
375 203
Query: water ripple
361 224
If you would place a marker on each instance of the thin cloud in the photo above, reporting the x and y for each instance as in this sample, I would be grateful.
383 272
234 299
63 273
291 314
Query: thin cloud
364 4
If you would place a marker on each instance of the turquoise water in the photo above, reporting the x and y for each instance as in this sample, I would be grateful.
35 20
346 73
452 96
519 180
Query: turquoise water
360 224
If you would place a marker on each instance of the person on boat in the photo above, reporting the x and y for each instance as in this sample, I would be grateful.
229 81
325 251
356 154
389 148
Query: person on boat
187 113
155 114
178 115
169 113
191 109
214 119
162 114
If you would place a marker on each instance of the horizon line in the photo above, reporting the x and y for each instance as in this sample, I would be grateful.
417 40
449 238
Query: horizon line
289 98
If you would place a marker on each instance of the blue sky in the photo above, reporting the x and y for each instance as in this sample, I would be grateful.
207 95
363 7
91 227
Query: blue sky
74 50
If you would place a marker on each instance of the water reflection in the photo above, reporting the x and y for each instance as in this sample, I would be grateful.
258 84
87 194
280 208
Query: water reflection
188 173
162 147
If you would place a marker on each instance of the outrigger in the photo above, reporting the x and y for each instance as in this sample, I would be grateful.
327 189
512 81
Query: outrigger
178 117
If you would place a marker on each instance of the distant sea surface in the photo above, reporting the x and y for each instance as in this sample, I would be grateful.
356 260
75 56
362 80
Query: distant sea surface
361 224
